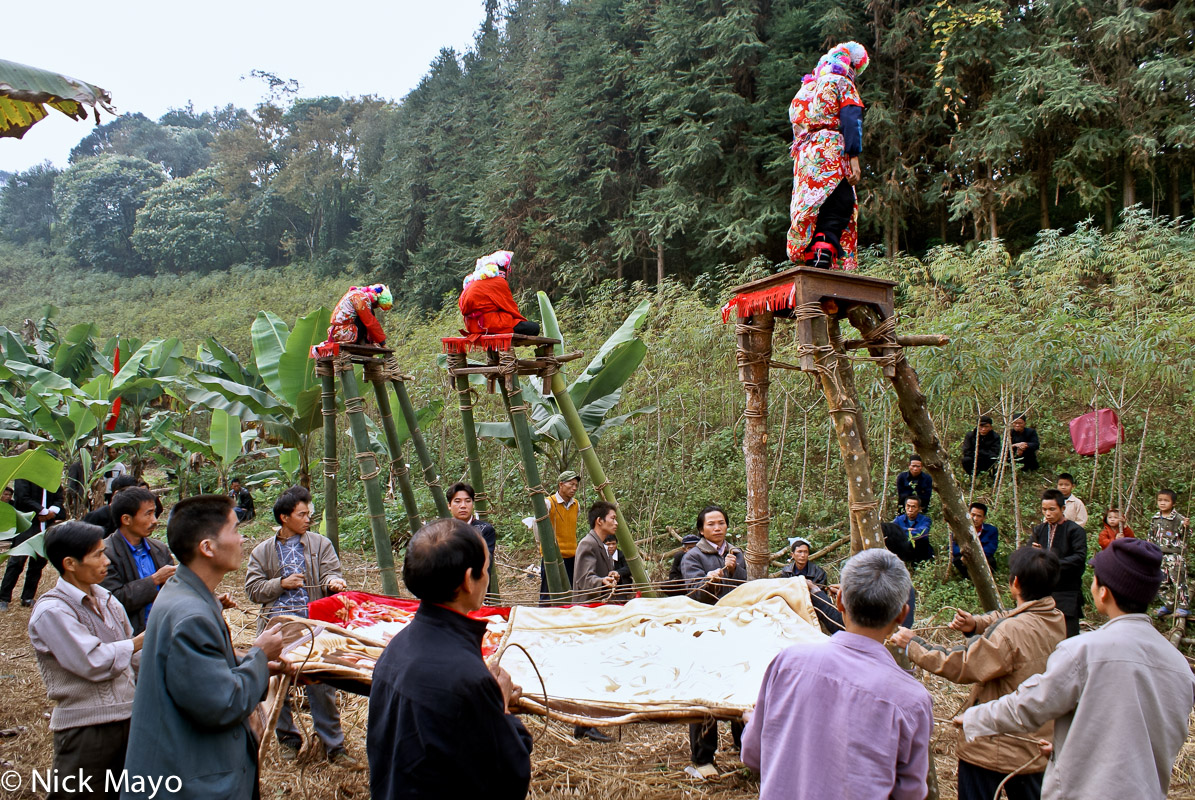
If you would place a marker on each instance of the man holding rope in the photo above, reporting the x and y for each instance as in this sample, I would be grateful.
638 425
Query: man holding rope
286 572
1007 648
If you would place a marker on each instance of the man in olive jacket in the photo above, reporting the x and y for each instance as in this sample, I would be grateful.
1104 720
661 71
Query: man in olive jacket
190 733
1007 648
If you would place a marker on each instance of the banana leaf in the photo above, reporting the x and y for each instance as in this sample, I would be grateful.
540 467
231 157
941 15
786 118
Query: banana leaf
37 466
26 91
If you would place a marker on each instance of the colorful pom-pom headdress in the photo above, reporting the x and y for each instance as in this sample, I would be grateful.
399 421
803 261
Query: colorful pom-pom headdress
382 294
848 59
491 266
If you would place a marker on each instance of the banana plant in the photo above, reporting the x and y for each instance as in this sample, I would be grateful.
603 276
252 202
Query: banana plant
595 392
37 466
226 445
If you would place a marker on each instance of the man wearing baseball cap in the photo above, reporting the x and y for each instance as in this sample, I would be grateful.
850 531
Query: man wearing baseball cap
1119 696
563 511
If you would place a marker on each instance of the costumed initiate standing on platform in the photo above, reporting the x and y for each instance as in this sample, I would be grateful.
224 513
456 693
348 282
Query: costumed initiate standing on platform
827 120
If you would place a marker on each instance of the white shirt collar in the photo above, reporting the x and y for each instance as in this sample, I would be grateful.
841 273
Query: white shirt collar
569 504
76 595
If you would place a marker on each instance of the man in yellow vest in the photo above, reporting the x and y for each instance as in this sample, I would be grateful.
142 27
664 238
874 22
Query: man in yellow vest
563 511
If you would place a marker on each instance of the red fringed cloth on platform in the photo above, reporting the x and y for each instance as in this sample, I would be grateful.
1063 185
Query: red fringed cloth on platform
476 342
325 350
773 298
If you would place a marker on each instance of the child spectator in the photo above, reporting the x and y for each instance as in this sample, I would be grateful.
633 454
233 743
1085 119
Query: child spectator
1075 509
1114 528
1168 530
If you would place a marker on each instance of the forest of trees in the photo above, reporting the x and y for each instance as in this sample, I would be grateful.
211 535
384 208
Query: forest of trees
645 139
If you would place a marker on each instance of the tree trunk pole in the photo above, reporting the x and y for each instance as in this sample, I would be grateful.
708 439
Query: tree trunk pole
843 403
557 578
354 404
473 455
915 411
329 462
425 457
398 464
597 474
753 337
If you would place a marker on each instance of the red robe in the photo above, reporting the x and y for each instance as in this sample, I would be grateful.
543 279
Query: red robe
488 307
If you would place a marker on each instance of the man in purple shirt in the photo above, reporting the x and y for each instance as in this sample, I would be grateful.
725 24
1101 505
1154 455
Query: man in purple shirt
841 719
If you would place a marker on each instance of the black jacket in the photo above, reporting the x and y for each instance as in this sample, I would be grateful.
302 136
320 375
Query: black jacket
812 573
437 728
921 487
27 498
988 446
133 591
102 516
1070 545
1029 437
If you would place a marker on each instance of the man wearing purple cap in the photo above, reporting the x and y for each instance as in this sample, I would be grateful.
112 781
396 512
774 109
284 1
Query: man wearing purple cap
1123 679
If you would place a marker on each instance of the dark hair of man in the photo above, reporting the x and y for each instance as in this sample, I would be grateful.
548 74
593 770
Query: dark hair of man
1066 476
284 506
985 420
129 502
74 539
1173 495
1036 571
599 510
193 520
1125 604
980 506
234 480
461 487
709 510
122 482
1055 496
439 556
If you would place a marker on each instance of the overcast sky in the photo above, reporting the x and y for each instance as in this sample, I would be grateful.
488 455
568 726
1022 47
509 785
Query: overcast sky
153 56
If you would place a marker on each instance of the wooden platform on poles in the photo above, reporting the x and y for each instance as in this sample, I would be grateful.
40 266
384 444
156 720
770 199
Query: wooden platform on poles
500 356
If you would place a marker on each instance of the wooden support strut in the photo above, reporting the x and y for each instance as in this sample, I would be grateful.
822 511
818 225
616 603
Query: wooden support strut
473 454
421 449
753 336
398 464
559 589
354 404
324 368
914 409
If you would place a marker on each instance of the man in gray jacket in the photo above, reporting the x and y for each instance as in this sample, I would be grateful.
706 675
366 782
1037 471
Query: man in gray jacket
286 572
190 732
1119 696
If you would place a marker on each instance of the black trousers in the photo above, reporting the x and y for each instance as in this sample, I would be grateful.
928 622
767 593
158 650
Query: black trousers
703 740
978 783
1072 625
835 214
981 463
544 599
12 571
527 327
91 751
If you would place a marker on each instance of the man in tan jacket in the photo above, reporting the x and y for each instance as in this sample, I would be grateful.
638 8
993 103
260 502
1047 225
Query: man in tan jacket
285 573
1007 648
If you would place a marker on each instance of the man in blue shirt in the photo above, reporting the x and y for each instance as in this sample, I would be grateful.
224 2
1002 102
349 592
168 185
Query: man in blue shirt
916 525
139 564
989 538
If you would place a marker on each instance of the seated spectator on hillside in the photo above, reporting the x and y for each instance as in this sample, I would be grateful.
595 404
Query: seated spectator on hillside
1075 509
139 565
486 302
103 517
915 482
989 539
113 470
916 528
87 655
461 503
676 580
1114 528
439 719
242 499
846 695
981 447
1023 443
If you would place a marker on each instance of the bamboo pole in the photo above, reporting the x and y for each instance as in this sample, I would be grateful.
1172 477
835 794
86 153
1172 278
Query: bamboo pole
425 457
354 404
398 464
753 336
558 585
473 455
843 402
915 412
597 474
329 464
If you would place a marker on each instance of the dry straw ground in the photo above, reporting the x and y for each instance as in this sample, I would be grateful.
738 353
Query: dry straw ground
645 761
